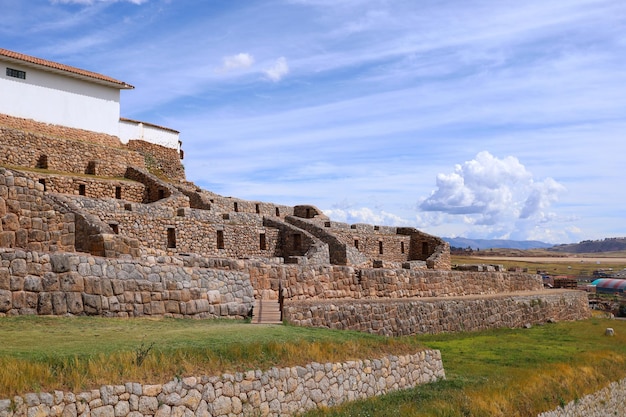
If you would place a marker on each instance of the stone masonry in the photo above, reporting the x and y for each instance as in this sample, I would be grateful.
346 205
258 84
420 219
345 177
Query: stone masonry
273 393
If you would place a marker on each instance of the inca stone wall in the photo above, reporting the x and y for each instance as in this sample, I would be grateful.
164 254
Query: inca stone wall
273 393
34 150
56 131
92 187
29 219
159 158
439 315
63 283
610 401
335 282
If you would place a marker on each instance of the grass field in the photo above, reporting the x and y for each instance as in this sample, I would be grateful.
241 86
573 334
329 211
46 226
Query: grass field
494 373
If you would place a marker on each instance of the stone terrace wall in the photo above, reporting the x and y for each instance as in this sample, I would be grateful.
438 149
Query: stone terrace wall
159 158
57 131
34 150
273 393
610 401
62 283
29 219
202 232
93 187
415 316
336 282
321 282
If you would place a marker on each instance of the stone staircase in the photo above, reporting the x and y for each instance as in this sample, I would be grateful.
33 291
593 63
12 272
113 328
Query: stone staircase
266 312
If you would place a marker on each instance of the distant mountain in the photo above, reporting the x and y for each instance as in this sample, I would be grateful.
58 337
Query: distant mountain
612 244
462 242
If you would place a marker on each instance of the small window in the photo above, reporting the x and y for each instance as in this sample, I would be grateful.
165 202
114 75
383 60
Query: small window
118 193
236 207
356 243
424 248
82 189
161 193
308 213
220 239
380 247
262 242
16 73
42 162
297 241
115 228
128 207
258 208
171 238
277 211
43 182
401 247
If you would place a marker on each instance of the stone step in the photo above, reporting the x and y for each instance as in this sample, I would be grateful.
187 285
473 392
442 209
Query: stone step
266 312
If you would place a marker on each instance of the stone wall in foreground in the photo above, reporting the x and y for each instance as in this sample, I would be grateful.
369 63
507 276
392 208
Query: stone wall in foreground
453 314
610 401
273 393
79 284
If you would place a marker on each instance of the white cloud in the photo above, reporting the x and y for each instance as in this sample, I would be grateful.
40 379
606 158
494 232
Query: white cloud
366 215
493 192
235 62
277 71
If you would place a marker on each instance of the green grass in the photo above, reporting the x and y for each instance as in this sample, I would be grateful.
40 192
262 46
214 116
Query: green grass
46 353
508 372
504 372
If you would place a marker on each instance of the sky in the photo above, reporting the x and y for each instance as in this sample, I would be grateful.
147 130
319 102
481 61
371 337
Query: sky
463 118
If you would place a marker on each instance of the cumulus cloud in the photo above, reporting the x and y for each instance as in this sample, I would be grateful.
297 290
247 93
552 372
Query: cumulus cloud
235 62
491 191
277 71
365 215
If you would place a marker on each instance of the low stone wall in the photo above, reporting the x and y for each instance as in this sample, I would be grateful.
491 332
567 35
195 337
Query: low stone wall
610 401
159 159
273 393
33 150
126 190
74 284
421 316
29 219
29 125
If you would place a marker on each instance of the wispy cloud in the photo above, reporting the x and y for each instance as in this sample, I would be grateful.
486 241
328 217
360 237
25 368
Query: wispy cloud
236 62
278 70
382 99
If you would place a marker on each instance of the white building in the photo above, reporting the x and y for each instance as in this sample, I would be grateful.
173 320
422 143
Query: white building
49 92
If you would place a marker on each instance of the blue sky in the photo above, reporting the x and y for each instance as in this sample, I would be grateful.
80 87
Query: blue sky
475 118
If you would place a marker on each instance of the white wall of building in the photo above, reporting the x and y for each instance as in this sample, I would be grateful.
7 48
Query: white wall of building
131 129
53 98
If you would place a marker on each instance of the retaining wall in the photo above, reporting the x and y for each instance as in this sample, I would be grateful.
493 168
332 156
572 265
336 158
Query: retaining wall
420 316
273 393
20 148
609 401
74 284
31 220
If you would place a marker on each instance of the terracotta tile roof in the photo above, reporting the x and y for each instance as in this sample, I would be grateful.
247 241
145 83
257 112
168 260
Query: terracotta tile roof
27 59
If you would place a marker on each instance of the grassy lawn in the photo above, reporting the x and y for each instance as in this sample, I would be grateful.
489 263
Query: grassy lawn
47 353
501 372
508 372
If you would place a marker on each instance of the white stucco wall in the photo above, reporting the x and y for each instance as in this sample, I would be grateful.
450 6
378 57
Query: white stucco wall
131 129
57 99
